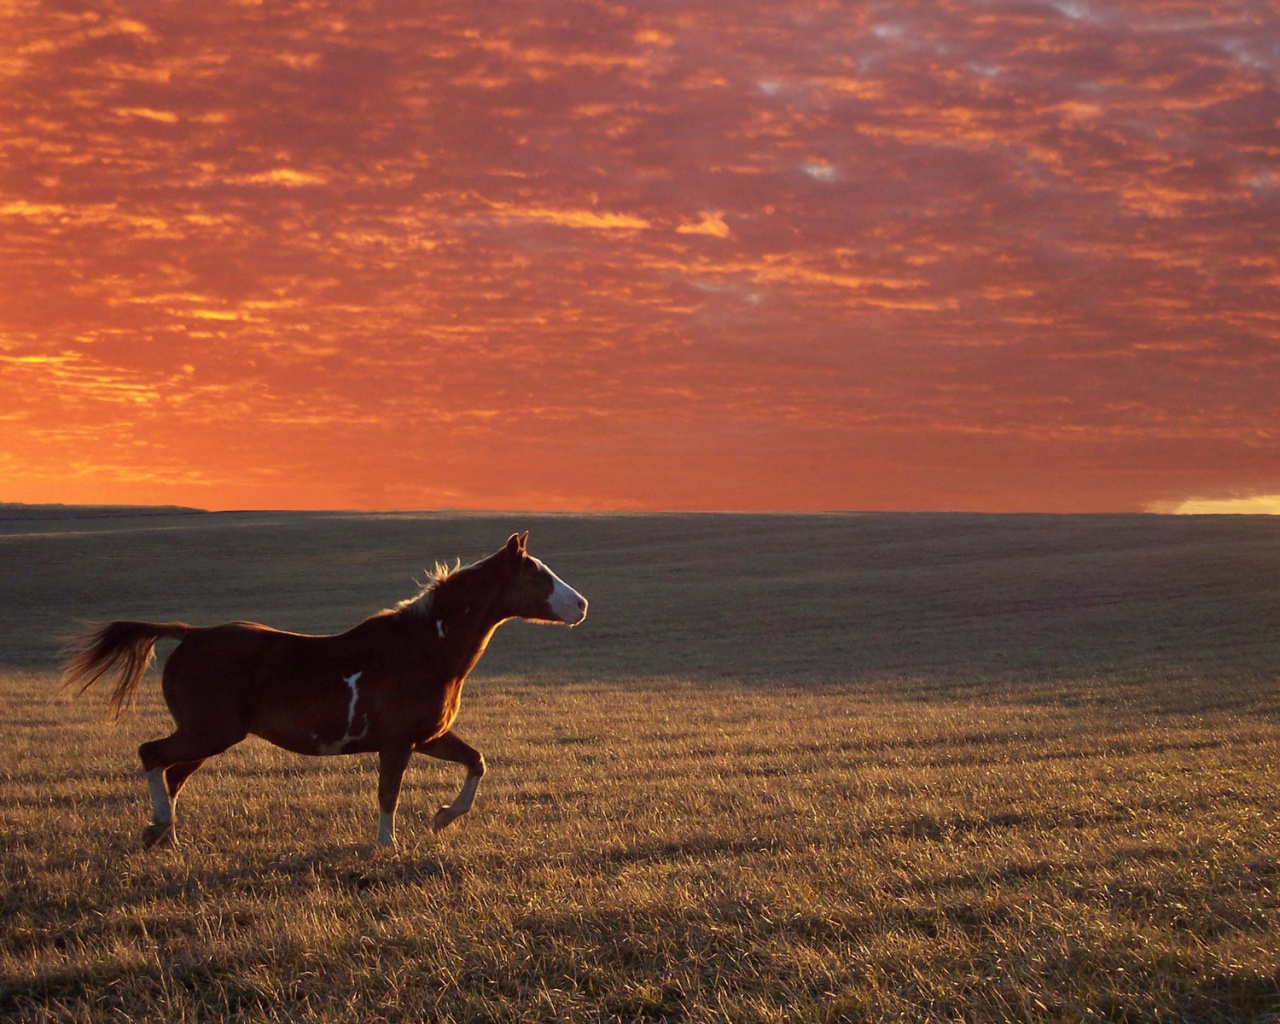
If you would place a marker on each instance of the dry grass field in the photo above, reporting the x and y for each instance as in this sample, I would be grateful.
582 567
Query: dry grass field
817 768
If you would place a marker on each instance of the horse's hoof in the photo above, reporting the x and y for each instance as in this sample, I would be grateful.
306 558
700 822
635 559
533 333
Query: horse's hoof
443 817
158 834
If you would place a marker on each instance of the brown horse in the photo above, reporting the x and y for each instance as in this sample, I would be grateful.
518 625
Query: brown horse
392 684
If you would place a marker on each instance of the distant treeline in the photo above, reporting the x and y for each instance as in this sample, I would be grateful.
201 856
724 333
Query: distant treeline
19 510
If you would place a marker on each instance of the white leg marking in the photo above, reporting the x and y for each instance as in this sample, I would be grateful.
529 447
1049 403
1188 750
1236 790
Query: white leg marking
466 795
161 805
386 828
460 806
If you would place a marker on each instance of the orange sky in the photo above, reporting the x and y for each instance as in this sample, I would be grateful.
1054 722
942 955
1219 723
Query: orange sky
749 255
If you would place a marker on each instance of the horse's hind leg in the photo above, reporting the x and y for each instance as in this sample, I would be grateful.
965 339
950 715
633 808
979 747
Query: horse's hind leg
167 764
176 775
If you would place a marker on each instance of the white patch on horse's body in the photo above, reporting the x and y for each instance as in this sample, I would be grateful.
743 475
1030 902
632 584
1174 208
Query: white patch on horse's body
351 681
565 603
348 736
440 629
161 805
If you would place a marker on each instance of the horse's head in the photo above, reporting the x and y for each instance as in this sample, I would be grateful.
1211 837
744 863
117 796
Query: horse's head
534 592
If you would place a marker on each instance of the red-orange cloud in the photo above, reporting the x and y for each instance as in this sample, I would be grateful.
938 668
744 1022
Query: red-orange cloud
1016 255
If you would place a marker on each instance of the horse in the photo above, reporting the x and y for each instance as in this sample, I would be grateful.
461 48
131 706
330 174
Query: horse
391 684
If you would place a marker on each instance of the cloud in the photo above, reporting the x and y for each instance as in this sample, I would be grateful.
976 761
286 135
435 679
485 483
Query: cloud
819 171
590 219
1256 504
286 176
1018 255
146 113
711 224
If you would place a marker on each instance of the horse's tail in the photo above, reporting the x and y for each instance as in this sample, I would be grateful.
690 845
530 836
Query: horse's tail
124 649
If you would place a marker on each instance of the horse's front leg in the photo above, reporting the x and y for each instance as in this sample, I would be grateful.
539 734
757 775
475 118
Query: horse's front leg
392 762
452 747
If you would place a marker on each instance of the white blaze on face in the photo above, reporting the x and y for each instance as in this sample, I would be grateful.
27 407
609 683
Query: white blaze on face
566 604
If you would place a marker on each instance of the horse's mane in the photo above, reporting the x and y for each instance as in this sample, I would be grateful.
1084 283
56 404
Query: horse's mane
436 576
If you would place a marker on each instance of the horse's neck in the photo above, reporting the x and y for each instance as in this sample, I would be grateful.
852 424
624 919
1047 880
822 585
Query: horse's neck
465 632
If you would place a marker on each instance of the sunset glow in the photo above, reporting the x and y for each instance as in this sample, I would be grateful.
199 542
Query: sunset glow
945 255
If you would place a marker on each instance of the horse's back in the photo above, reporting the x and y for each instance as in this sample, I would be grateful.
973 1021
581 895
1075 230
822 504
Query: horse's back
230 642
245 661
226 664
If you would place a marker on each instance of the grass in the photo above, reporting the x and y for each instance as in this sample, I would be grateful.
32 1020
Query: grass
810 822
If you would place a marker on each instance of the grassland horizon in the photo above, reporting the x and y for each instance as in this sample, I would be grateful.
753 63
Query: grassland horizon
793 767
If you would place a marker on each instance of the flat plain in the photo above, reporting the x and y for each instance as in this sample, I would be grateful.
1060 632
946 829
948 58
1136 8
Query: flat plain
817 768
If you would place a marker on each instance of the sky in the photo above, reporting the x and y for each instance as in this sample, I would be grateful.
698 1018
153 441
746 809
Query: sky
941 255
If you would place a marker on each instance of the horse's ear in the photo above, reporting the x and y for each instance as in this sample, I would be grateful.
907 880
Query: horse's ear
514 547
524 541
